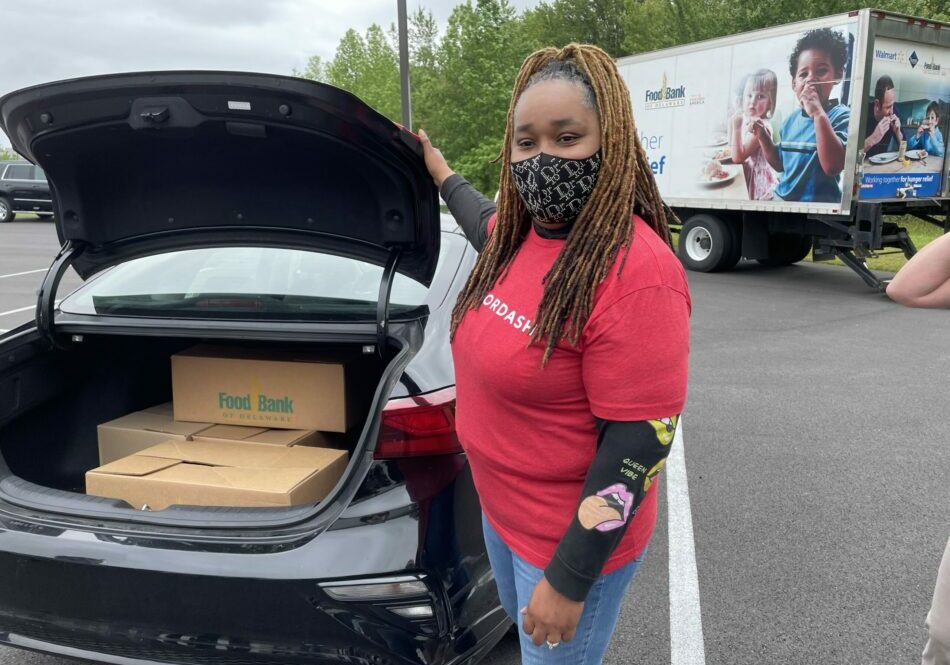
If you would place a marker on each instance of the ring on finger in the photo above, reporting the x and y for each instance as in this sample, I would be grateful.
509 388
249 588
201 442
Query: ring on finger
551 645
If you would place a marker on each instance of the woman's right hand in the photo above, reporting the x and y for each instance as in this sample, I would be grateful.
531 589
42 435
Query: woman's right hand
435 162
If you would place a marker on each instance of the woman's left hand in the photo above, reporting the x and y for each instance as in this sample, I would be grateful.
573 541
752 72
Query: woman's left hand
549 616
438 168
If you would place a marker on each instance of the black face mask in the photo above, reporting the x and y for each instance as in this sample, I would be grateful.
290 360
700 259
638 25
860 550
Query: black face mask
555 189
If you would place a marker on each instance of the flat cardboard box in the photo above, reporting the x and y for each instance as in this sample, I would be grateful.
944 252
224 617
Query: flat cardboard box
277 437
136 431
284 390
211 473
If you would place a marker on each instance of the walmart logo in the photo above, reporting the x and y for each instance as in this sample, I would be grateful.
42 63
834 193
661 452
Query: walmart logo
914 59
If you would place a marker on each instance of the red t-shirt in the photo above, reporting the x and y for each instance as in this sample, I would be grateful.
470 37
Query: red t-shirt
529 432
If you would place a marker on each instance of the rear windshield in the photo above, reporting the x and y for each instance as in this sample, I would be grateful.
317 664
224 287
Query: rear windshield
258 283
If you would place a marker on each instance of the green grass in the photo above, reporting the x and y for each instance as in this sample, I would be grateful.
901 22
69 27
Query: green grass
921 233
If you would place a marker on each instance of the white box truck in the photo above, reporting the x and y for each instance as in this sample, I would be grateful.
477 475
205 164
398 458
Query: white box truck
777 142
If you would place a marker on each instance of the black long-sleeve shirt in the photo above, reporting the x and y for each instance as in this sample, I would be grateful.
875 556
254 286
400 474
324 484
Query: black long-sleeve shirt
629 454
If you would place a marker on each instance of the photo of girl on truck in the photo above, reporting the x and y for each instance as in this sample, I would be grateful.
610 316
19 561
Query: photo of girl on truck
811 152
751 121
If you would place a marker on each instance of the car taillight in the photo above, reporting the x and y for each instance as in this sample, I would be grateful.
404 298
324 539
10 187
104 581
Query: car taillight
419 426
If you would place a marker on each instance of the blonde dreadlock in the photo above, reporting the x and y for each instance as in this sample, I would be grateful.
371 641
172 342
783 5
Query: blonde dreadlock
604 227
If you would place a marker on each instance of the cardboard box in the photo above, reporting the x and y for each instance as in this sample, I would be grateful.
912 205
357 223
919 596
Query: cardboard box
136 431
277 437
211 473
280 390
166 409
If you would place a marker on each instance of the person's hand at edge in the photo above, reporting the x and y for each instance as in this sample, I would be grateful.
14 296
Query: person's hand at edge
924 281
438 168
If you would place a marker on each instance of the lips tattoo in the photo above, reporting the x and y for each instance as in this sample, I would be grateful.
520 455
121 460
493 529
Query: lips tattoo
607 510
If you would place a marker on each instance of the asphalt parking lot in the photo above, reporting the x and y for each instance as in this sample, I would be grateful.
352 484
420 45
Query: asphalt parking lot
817 451
27 248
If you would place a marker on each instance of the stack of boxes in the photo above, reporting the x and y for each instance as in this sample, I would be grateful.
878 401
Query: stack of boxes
244 429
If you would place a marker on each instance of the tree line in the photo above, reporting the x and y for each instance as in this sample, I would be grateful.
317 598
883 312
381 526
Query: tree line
461 78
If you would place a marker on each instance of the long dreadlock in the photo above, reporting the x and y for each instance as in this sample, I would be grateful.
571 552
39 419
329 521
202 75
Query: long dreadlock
604 226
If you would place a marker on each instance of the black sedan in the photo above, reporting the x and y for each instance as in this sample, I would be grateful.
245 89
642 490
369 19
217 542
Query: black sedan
260 212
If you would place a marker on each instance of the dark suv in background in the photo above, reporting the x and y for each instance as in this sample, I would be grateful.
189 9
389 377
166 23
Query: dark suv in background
23 188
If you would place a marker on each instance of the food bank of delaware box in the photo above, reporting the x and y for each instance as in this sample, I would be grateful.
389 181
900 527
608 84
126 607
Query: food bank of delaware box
263 435
136 431
211 473
285 390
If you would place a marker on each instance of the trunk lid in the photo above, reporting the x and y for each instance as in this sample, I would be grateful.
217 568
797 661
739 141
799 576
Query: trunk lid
151 162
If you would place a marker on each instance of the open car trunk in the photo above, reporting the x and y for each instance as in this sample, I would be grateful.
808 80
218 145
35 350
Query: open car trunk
148 164
52 400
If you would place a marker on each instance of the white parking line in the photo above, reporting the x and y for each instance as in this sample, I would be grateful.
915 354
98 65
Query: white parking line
687 646
17 311
28 272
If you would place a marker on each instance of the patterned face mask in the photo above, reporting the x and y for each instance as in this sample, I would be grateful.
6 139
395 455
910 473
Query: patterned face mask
555 189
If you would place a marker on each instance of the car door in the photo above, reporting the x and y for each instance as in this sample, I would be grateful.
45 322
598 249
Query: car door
41 193
19 180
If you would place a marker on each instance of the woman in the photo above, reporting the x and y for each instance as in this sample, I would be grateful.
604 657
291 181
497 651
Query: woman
570 342
924 281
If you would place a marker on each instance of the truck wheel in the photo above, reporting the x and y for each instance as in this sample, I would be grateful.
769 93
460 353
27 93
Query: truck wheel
6 211
707 244
786 249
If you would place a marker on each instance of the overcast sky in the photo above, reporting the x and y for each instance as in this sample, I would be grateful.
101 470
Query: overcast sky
50 40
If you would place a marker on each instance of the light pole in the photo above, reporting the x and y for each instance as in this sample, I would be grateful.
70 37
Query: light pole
404 64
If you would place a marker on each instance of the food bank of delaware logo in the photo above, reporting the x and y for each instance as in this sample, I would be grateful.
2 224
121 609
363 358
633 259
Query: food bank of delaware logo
665 96
258 402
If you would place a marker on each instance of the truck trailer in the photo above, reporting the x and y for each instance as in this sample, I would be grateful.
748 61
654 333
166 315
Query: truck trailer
800 138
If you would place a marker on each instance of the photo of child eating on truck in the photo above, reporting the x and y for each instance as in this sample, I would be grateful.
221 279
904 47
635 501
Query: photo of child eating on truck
811 153
752 119
928 136
883 124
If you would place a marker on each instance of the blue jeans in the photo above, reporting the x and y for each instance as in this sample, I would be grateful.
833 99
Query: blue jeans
516 579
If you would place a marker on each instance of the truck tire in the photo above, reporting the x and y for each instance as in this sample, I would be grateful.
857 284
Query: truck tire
786 249
6 211
708 244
